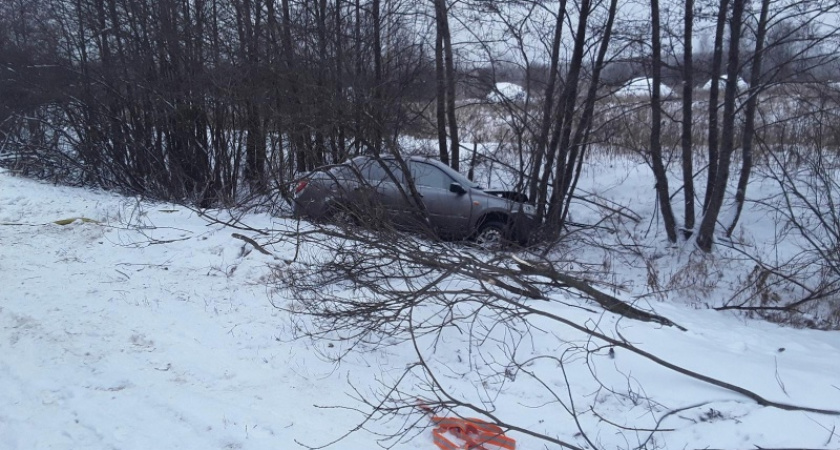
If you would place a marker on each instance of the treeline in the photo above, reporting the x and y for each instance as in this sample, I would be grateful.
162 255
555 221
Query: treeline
194 99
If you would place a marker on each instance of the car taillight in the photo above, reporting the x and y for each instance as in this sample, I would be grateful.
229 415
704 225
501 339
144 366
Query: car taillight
301 186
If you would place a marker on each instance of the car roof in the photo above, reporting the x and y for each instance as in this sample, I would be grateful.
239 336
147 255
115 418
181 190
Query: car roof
392 157
419 158
416 158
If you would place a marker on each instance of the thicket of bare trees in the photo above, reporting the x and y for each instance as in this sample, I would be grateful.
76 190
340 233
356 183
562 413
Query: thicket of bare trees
198 100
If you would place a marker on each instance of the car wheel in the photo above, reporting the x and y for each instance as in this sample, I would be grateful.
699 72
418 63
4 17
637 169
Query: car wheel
492 235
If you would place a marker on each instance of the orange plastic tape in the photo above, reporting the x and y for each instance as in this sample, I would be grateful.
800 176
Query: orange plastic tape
476 434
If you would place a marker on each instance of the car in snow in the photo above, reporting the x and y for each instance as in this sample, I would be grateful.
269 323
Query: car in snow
376 191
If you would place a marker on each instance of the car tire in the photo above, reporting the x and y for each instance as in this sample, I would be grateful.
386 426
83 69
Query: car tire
492 235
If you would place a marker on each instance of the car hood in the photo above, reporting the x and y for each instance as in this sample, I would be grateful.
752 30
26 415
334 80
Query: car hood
509 195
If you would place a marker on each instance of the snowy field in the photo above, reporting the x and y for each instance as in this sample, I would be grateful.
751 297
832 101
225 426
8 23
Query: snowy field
148 327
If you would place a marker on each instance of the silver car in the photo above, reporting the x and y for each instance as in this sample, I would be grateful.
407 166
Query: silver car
375 192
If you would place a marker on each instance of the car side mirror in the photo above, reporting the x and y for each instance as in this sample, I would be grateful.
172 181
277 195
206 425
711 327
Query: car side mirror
457 188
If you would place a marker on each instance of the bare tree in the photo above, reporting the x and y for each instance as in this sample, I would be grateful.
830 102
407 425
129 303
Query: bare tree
686 139
770 15
756 85
446 81
662 191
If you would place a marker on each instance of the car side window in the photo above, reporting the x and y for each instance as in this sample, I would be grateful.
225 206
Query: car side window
341 172
374 172
429 176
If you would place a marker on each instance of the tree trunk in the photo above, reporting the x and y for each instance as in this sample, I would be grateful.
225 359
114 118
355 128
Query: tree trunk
749 116
687 119
659 172
548 106
440 94
378 128
561 137
357 89
454 142
714 91
302 158
339 85
579 143
323 108
705 236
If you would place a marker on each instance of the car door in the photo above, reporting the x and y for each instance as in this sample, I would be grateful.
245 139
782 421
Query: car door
378 195
448 211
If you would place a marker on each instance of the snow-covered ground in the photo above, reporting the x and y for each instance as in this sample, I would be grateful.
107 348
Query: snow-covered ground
148 326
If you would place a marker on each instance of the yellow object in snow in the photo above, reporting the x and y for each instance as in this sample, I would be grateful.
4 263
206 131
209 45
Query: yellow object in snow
73 219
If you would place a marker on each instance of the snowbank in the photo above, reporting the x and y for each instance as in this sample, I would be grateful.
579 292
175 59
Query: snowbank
740 83
642 87
506 92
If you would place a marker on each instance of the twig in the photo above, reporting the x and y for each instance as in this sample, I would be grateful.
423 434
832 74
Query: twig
778 377
652 430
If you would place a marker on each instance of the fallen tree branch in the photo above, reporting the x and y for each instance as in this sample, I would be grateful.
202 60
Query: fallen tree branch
756 447
690 373
619 209
255 244
61 222
606 301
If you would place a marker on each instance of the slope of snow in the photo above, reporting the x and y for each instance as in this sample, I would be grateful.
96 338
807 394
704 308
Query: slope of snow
157 335
151 327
